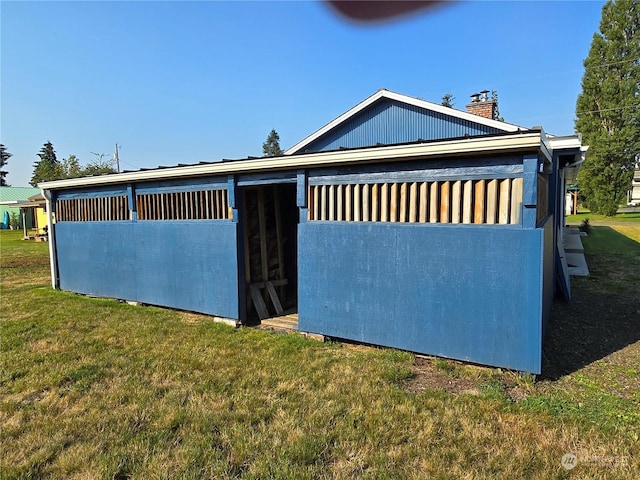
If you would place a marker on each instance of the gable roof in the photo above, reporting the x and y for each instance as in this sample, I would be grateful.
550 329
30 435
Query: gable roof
383 94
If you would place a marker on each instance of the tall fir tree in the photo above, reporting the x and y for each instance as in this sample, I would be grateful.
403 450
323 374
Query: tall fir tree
4 157
48 167
271 146
608 109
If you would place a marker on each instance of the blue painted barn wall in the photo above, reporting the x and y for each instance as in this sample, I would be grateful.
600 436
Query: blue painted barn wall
472 293
190 265
389 121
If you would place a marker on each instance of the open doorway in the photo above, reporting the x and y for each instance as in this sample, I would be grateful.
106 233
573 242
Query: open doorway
270 229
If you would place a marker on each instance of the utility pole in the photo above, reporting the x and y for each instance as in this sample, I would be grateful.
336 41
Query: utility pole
117 159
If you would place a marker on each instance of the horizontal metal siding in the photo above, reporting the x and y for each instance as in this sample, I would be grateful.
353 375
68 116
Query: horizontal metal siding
390 122
473 295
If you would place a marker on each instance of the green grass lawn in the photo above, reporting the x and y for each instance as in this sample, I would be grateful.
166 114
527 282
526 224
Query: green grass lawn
95 388
592 217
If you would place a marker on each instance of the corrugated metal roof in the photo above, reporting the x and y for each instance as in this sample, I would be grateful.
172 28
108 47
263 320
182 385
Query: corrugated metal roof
11 194
497 143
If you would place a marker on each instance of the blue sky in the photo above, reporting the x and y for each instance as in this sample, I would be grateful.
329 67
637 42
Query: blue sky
178 82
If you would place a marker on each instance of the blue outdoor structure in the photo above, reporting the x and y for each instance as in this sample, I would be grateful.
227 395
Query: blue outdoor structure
401 223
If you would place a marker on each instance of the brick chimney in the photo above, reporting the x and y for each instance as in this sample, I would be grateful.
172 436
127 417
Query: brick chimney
481 105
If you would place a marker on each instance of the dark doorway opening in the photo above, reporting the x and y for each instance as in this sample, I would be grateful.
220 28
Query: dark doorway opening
270 229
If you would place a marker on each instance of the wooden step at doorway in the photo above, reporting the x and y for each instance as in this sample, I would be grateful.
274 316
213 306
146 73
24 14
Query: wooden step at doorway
284 322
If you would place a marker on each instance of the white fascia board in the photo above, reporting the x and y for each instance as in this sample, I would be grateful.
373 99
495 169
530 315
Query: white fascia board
564 142
502 144
506 127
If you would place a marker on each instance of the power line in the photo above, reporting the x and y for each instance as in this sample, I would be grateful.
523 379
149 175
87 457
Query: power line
607 109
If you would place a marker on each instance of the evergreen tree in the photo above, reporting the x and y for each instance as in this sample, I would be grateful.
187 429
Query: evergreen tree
4 157
271 146
608 109
48 167
447 100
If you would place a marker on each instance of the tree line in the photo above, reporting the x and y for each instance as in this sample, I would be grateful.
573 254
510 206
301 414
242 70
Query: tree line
48 167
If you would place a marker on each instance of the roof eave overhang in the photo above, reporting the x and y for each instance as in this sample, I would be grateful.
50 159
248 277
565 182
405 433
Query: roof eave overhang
522 142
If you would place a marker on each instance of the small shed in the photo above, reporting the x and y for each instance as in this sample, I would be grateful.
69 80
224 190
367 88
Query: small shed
401 223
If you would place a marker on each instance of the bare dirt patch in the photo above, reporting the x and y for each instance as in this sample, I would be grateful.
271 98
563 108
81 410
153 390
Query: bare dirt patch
427 376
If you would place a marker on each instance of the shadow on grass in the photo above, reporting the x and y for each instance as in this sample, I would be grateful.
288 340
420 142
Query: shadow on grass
603 316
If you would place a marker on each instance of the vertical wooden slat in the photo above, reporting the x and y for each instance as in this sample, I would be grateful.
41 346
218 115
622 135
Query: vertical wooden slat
310 203
216 202
375 202
393 203
193 205
227 212
384 203
348 207
174 215
433 202
467 197
456 201
365 203
516 200
332 203
492 201
403 202
413 202
185 204
424 202
339 202
323 202
316 202
196 205
505 200
357 203
445 205
479 203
